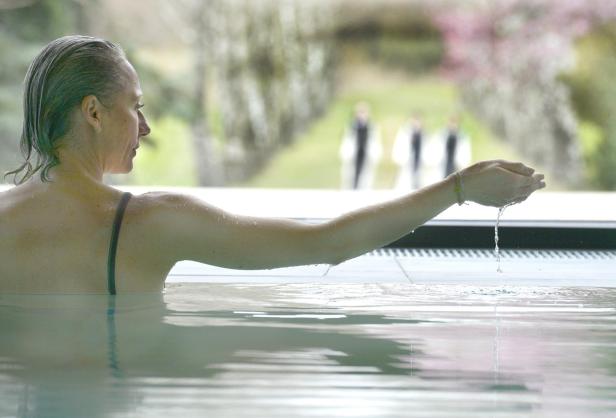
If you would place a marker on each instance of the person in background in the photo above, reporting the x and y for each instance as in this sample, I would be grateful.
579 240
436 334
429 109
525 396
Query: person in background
457 152
360 150
407 152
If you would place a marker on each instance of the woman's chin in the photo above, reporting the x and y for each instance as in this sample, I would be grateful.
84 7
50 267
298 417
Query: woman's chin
122 170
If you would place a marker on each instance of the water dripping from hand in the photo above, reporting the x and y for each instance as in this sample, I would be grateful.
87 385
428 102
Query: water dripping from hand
496 249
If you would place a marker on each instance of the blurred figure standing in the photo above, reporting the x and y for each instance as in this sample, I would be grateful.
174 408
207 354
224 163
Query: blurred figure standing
444 152
360 150
407 153
456 147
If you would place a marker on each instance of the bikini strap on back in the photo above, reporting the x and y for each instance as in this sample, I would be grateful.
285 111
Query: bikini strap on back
113 244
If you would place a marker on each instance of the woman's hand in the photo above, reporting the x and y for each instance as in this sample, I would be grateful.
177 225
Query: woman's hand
498 182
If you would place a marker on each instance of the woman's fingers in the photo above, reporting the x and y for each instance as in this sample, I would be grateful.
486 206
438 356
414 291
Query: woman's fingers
527 186
535 178
518 168
527 190
538 180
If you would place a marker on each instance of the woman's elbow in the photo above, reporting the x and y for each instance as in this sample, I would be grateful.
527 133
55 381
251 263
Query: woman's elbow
327 248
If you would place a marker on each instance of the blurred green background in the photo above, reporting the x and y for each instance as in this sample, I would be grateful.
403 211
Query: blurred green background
258 94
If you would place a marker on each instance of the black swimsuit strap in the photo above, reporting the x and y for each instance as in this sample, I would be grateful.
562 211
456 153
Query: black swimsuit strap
113 244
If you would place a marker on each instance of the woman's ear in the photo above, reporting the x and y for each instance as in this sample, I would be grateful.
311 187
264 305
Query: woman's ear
91 109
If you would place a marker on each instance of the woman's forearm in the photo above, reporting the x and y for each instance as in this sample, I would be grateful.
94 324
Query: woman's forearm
362 230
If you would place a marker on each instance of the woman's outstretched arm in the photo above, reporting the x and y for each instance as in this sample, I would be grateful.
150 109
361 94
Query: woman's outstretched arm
190 229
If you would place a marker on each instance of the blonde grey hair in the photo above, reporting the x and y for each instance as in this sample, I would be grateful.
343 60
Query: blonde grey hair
61 75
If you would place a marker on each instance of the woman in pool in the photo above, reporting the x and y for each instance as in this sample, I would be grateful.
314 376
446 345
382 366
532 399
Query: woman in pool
59 227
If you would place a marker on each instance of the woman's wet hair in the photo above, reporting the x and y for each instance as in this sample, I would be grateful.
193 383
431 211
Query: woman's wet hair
62 74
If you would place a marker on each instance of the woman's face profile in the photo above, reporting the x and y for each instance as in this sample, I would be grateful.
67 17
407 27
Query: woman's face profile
126 124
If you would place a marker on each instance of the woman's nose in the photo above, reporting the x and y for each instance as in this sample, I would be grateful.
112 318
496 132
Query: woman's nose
144 128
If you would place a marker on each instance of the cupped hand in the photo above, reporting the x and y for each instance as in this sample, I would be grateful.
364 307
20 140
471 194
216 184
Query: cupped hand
499 182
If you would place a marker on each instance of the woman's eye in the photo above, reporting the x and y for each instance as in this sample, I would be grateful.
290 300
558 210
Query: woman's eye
140 105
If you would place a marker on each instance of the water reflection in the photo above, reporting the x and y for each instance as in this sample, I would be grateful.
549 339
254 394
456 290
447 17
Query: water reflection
310 350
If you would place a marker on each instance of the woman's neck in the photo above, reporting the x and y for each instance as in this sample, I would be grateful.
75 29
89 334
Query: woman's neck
77 165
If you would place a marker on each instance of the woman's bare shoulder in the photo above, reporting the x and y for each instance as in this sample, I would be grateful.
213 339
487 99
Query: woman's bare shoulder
156 199
9 196
17 200
164 204
165 223
169 213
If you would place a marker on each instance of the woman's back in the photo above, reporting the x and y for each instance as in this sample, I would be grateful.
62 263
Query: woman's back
55 240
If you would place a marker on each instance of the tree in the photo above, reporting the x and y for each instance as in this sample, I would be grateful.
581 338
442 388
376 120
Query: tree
509 53
593 91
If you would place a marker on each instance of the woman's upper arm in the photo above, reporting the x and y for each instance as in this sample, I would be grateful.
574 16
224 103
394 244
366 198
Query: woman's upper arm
191 229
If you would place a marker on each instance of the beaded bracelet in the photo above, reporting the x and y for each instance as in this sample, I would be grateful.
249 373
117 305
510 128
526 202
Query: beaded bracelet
458 188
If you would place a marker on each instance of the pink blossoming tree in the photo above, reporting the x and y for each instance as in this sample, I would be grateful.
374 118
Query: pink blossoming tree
509 54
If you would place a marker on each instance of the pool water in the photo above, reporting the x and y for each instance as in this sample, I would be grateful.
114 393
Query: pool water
312 350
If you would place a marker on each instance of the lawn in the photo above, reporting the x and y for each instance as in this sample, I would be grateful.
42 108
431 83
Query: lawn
312 161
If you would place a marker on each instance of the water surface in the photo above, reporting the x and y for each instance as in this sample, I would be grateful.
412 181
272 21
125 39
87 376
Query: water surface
312 350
